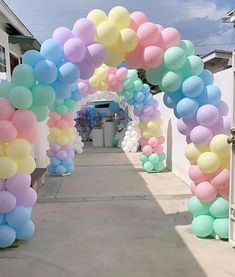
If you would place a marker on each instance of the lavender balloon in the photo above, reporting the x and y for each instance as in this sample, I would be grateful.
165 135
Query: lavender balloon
207 115
86 69
18 184
201 135
96 54
85 30
7 201
62 34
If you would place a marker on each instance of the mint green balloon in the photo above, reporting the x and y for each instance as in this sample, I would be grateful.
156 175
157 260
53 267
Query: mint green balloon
61 109
43 95
159 166
59 101
148 166
202 226
128 94
40 112
174 58
132 74
187 47
153 158
144 158
5 89
220 208
162 156
221 227
138 85
154 76
21 97
197 207
52 107
171 81
71 105
194 65
23 75
127 84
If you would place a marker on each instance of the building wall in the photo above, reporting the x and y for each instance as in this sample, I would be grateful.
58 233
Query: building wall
175 142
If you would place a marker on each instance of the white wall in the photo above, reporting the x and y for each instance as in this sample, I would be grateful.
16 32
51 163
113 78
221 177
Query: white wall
175 142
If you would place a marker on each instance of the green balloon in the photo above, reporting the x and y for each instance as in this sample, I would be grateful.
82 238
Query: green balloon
220 208
40 112
59 101
144 158
128 94
23 75
162 156
194 65
43 95
127 84
148 166
154 76
154 158
171 81
52 107
61 109
71 105
5 89
159 166
21 97
138 85
174 58
221 227
197 207
188 47
115 142
132 74
202 226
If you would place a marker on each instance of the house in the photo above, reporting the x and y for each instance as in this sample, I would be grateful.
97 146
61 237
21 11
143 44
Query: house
15 39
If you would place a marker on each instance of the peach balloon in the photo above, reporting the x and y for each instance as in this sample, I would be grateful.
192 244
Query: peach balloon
158 149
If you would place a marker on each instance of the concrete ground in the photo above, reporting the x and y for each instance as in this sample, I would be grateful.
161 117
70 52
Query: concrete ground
111 219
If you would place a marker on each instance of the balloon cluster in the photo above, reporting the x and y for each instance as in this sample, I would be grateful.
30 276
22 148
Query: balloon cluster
130 142
114 33
78 144
203 119
153 162
115 78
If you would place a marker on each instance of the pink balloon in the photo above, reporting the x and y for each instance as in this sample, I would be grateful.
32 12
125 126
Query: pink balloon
62 124
153 141
137 19
117 88
152 57
193 187
121 73
158 149
30 135
6 109
196 174
84 29
55 116
7 201
134 59
205 191
24 120
112 80
143 142
74 50
86 70
224 192
18 184
28 198
147 149
96 54
160 27
161 139
221 180
148 34
8 131
171 37
62 34
83 87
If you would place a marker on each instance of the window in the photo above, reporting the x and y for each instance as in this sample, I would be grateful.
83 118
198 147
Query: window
3 66
14 61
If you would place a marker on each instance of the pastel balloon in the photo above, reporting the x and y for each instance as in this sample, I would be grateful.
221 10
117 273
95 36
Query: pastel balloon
18 217
220 208
31 57
201 135
171 81
192 86
211 95
222 108
197 207
205 191
84 29
7 202
153 141
119 16
137 18
148 166
96 54
221 180
97 16
21 97
127 40
52 50
148 34
171 37
194 65
219 145
26 231
208 162
86 70
31 135
202 226
187 108
192 152
46 72
8 131
18 149
26 165
6 109
207 77
27 198
188 47
74 50
62 34
68 73
152 57
23 75
7 236
207 115
221 227
174 58
153 158
43 95
41 112
147 150
18 184
185 126
135 58
197 175
107 33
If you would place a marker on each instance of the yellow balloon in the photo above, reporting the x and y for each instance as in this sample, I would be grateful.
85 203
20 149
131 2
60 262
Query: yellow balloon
114 57
18 149
55 132
67 132
127 40
97 16
2 150
50 138
62 140
107 33
219 145
192 153
119 16
225 161
8 168
146 135
208 162
26 165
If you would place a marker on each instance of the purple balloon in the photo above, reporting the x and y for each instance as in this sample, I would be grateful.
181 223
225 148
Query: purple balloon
207 115
188 140
50 154
85 30
185 126
55 147
28 198
74 50
2 185
148 110
86 69
62 34
68 147
7 202
222 107
96 54
18 184
201 135
222 126
61 154
71 154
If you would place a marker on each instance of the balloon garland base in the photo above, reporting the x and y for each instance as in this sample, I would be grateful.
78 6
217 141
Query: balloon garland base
56 175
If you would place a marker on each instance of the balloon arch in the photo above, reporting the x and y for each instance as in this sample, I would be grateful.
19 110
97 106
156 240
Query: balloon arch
75 63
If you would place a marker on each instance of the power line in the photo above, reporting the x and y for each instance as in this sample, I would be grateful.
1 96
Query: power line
215 44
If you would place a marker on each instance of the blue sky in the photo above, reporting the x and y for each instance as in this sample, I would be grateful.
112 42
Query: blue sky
197 20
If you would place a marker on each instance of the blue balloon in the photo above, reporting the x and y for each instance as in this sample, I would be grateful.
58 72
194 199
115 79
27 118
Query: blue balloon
187 107
207 77
148 99
26 231
52 50
210 95
131 101
60 170
70 169
2 219
7 236
55 162
139 96
69 73
51 169
138 108
67 163
171 99
192 86
146 88
46 72
61 90
32 58
76 96
18 217
114 107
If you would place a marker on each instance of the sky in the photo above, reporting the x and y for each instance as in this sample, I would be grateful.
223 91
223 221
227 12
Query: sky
197 20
